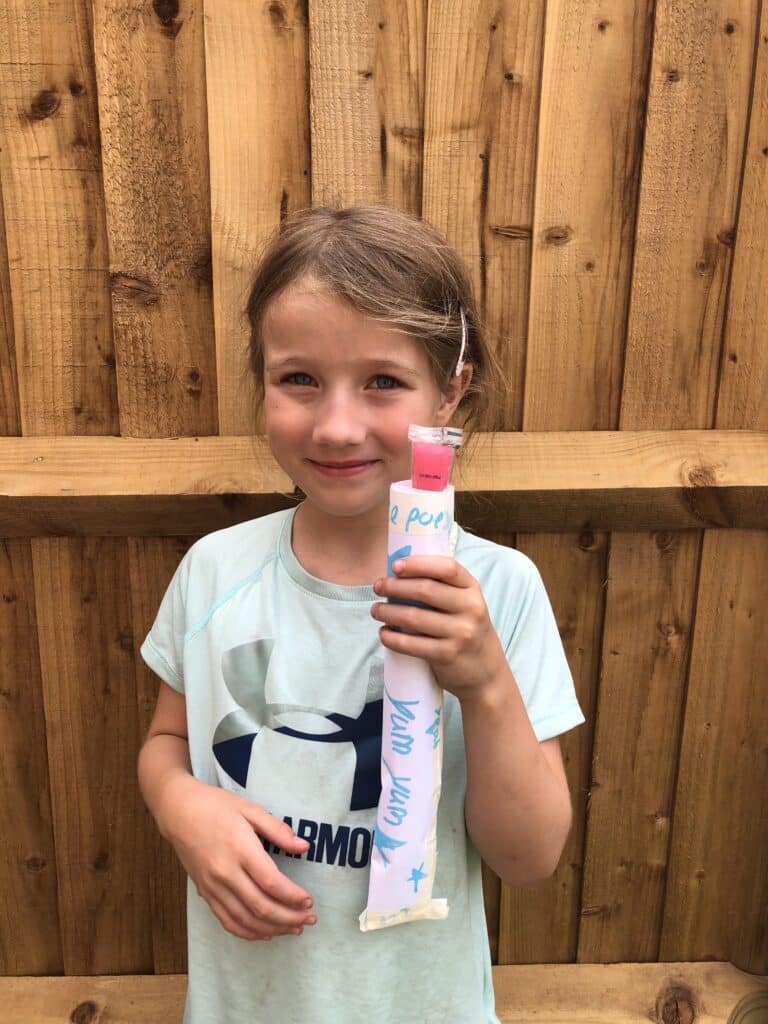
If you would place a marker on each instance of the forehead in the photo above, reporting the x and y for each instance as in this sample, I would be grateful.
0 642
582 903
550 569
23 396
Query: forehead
306 320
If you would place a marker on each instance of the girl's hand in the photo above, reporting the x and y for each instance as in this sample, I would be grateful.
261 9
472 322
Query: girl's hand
215 835
457 638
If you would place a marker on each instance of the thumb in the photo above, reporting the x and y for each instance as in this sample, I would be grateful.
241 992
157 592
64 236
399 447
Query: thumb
278 832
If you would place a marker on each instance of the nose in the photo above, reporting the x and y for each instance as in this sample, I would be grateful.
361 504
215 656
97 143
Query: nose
339 421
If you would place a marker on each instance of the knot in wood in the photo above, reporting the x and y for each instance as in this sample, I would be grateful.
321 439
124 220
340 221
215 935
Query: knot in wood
136 290
167 11
673 75
276 13
100 861
45 104
701 476
558 235
586 540
84 1013
675 1006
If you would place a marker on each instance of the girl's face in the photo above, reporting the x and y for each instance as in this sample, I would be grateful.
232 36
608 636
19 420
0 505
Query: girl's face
340 391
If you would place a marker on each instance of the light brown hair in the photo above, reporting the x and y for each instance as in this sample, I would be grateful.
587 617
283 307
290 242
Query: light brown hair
391 266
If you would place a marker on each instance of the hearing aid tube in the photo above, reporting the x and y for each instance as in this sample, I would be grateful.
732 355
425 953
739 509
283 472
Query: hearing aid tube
404 850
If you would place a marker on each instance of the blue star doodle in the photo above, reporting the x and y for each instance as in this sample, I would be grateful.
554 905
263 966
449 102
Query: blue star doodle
417 875
383 842
434 729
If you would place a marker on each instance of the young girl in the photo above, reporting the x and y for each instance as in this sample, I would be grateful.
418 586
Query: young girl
262 762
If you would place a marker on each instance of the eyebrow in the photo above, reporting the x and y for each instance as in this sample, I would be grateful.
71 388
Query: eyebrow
370 364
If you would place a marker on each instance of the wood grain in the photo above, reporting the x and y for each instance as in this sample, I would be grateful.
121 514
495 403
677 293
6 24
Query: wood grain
152 562
547 993
692 159
367 86
65 369
150 66
557 480
258 127
154 145
718 876
592 94
30 941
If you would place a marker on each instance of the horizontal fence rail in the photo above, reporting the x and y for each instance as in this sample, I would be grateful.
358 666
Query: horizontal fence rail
532 481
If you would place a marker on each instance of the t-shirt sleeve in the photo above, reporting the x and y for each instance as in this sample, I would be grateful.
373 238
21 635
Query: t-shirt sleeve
536 656
163 648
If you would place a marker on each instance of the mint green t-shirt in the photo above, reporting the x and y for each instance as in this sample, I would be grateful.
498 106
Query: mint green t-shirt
283 678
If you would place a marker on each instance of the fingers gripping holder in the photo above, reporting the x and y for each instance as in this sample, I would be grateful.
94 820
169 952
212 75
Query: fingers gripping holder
404 850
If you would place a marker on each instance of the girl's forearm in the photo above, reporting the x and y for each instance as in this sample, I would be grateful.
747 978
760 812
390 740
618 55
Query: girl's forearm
517 812
164 767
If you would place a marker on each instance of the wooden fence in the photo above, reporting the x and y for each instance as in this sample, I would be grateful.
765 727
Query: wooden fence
603 169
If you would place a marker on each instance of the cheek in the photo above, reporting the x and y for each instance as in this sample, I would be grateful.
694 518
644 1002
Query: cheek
280 419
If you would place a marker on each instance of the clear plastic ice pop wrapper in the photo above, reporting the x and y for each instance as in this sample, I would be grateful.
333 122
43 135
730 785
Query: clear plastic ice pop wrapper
404 853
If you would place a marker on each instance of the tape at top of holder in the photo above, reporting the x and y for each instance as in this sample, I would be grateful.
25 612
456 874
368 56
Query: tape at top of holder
417 513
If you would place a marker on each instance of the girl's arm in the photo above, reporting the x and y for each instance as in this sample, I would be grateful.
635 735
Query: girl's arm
164 762
517 808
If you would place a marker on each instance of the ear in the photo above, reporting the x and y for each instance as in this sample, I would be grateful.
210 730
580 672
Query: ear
451 398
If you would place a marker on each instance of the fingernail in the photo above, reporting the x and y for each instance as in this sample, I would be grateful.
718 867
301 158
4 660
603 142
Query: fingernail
311 919
307 903
397 566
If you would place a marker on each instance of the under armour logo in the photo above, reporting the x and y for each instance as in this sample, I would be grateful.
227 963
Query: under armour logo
245 671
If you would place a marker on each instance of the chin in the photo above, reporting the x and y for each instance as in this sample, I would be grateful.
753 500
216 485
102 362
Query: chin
349 508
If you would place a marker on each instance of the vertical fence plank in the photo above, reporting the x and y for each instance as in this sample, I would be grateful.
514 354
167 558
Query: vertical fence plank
482 97
151 79
89 683
718 878
592 97
30 942
694 142
29 919
367 85
54 219
150 68
258 126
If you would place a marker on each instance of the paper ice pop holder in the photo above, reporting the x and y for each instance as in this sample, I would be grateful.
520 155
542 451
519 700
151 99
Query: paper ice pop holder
404 849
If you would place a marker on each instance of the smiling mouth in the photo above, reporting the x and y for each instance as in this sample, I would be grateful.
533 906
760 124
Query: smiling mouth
343 465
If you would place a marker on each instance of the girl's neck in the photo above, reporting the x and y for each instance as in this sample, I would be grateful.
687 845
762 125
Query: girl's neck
346 550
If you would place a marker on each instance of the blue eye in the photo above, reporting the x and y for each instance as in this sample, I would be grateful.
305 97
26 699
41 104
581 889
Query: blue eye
391 384
291 378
